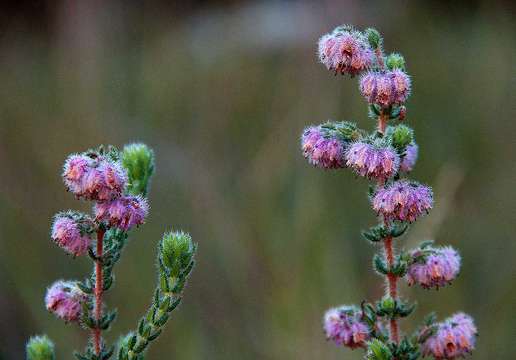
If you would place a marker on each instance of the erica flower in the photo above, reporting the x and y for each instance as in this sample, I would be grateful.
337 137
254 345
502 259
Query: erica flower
385 89
124 212
410 158
64 299
403 201
344 326
371 161
94 179
437 269
322 151
70 234
345 51
455 337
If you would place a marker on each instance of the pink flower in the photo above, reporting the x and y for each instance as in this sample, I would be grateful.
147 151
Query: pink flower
64 299
438 268
322 151
344 326
345 52
403 201
371 161
124 212
385 88
94 178
410 158
67 233
455 337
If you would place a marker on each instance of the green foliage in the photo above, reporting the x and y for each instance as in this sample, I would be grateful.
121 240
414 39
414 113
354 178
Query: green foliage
138 159
40 348
374 38
378 350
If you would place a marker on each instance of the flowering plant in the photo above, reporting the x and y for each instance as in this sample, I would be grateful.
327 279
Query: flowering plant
386 156
117 183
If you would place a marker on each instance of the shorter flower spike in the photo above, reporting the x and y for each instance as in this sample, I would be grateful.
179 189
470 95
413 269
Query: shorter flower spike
71 231
385 88
124 212
138 159
65 299
372 161
345 51
40 348
455 337
403 201
344 325
176 252
321 149
435 268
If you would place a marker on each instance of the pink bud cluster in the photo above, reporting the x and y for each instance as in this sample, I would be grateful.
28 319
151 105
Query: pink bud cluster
437 269
385 88
124 212
455 338
94 178
371 161
403 201
344 325
322 150
68 233
345 51
65 299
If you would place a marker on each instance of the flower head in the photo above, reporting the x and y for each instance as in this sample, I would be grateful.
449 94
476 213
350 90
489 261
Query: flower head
344 326
64 299
409 160
75 169
371 161
345 51
437 269
455 337
124 212
69 232
322 150
403 201
385 88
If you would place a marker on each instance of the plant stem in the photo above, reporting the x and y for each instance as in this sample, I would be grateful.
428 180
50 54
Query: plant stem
97 336
392 281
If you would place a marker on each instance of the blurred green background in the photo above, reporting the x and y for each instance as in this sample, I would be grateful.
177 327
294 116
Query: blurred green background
222 90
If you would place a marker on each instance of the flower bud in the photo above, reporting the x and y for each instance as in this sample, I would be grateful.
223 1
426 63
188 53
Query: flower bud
176 252
387 304
395 61
373 37
40 348
138 160
401 135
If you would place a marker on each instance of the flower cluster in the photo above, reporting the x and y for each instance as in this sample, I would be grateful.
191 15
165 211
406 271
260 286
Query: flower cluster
385 88
454 338
345 326
322 150
371 161
71 231
124 212
64 299
436 269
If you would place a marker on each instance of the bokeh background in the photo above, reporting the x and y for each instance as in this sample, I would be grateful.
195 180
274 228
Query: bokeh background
222 90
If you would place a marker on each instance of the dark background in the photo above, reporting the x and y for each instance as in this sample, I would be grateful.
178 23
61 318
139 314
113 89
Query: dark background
222 90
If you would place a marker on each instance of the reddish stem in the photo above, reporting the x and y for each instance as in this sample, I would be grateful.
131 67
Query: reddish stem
379 58
97 336
382 123
392 281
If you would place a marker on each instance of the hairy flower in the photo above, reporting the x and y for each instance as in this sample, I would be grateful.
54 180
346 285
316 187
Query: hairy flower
64 299
410 158
436 269
68 233
322 151
403 201
344 326
124 212
94 179
455 338
345 51
385 88
371 161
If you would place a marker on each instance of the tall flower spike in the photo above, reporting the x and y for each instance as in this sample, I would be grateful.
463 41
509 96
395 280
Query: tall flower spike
344 326
436 269
403 201
123 213
65 299
71 233
371 161
322 150
455 337
345 51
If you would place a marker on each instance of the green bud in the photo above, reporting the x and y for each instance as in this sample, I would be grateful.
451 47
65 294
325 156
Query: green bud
374 38
138 159
40 348
395 61
388 304
176 252
377 350
402 136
